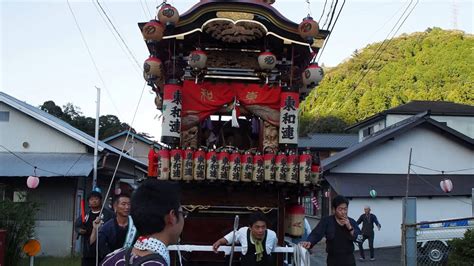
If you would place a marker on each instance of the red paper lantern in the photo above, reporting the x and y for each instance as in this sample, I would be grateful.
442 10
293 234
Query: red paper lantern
152 163
314 174
176 164
235 166
188 164
223 162
308 29
305 168
293 167
168 15
153 31
212 165
258 168
294 220
269 164
163 164
199 165
446 185
281 167
247 167
267 60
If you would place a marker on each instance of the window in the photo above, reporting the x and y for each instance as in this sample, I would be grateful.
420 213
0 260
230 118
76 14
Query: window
4 116
368 131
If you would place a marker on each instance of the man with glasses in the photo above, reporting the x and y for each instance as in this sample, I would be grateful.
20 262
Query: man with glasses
159 219
340 232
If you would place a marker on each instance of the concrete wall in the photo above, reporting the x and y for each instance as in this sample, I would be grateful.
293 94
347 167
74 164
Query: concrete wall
430 149
39 136
55 237
389 214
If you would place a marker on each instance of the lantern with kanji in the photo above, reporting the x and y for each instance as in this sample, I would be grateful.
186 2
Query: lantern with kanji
223 161
314 174
152 163
446 185
212 165
235 166
152 69
267 60
281 167
293 168
258 168
289 104
168 15
153 31
294 221
172 99
188 164
163 164
269 164
308 29
312 75
247 166
305 168
197 59
176 164
199 164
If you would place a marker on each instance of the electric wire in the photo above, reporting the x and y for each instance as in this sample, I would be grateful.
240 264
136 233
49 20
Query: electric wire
329 13
436 189
116 169
332 14
330 33
92 57
119 35
324 9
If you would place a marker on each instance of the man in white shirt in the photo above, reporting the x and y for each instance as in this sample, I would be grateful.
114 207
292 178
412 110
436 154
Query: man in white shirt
256 240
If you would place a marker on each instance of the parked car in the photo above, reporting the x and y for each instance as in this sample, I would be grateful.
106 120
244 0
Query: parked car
433 238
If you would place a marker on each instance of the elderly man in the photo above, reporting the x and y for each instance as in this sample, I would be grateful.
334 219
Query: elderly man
368 220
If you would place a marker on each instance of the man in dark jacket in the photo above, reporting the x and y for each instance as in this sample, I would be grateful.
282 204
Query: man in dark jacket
340 232
116 233
159 217
368 220
83 226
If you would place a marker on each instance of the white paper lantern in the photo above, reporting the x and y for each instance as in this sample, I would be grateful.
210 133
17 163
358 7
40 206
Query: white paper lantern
446 185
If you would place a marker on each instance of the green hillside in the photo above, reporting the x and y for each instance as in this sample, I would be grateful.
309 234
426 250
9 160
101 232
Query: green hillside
432 65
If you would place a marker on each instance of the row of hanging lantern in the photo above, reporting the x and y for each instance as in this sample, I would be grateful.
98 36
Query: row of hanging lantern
232 165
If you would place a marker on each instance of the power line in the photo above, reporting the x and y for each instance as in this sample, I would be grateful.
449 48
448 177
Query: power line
139 70
32 165
436 189
442 171
329 13
119 35
332 15
91 56
324 8
330 32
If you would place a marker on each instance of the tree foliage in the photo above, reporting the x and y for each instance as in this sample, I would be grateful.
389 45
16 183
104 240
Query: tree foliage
463 250
109 125
432 65
17 218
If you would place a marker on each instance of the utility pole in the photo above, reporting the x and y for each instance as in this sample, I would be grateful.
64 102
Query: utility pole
96 144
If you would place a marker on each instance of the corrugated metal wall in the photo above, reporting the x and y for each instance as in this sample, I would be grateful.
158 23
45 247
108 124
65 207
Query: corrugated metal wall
56 199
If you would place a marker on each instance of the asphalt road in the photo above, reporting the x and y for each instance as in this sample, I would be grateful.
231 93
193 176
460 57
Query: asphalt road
383 257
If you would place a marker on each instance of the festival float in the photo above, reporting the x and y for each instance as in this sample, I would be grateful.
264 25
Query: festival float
229 77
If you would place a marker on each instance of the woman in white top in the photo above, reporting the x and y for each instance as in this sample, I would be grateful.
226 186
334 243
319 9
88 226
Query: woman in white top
256 240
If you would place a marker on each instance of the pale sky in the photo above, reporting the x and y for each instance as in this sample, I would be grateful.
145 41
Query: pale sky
44 58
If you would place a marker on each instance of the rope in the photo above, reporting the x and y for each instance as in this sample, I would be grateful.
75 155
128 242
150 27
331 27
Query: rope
300 256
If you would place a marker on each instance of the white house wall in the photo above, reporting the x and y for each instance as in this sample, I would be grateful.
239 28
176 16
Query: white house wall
378 125
135 148
40 137
463 124
389 214
430 149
